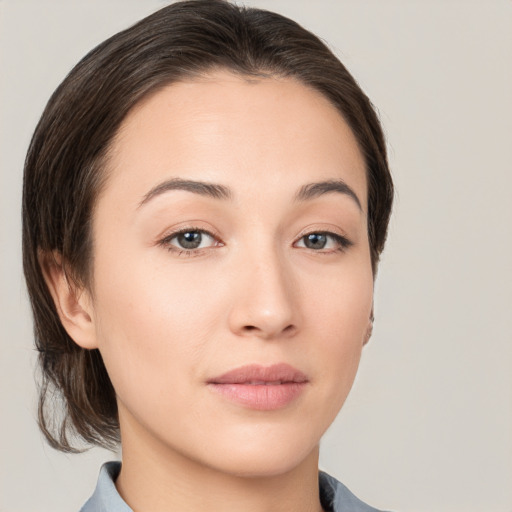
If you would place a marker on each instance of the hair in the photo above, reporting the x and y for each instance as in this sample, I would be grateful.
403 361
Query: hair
66 160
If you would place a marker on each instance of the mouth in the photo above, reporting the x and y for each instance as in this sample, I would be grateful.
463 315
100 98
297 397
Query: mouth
261 387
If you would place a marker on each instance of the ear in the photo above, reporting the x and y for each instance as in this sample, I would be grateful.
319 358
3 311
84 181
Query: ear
73 304
369 329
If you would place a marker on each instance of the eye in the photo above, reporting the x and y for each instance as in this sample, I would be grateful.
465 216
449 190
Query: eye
189 240
323 240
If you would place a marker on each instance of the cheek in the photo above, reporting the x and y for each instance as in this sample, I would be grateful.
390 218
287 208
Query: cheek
339 301
148 330
340 311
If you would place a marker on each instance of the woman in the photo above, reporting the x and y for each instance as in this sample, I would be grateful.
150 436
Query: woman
206 198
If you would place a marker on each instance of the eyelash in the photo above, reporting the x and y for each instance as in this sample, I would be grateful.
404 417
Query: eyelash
165 242
343 243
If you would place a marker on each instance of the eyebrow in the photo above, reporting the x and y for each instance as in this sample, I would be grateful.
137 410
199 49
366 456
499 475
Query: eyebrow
314 190
216 191
197 187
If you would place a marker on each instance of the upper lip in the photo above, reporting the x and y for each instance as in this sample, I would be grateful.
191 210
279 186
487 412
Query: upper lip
257 374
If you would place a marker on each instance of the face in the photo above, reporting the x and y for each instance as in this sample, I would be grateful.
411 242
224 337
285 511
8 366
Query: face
232 283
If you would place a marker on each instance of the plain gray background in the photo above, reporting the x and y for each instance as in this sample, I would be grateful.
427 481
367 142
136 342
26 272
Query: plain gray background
428 425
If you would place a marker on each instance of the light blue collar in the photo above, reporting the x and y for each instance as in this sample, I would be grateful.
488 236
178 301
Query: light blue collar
334 496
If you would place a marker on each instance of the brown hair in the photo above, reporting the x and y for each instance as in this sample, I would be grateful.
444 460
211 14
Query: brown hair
64 168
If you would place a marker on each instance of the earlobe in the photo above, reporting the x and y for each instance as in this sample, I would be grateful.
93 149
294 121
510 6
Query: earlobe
73 305
369 329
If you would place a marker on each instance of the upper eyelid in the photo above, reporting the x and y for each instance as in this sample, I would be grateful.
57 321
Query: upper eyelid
304 233
169 235
334 232
341 239
190 230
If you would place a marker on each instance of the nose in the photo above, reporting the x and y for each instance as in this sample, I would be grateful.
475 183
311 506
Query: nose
265 304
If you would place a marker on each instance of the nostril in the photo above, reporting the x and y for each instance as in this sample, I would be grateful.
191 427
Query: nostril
289 329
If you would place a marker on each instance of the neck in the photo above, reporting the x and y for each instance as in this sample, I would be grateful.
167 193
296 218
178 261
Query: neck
163 480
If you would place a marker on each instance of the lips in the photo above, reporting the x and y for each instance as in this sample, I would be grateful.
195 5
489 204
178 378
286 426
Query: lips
261 387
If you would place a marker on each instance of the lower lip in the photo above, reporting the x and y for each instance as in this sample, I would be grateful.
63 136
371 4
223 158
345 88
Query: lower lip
261 397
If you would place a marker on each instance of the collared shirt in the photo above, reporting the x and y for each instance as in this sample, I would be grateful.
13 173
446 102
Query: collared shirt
334 496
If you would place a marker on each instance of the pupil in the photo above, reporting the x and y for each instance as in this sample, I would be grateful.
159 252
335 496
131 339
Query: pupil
190 240
316 241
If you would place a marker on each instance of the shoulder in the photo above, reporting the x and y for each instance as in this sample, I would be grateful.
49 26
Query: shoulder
336 497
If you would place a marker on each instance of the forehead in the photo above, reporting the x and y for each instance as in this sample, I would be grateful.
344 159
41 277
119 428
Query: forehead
245 132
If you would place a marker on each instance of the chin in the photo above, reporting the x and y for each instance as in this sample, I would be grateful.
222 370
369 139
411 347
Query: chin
262 457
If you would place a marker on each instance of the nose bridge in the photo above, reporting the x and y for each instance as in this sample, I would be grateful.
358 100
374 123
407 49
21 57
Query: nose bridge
265 304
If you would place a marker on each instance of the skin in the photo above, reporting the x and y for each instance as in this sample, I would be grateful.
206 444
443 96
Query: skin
166 322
